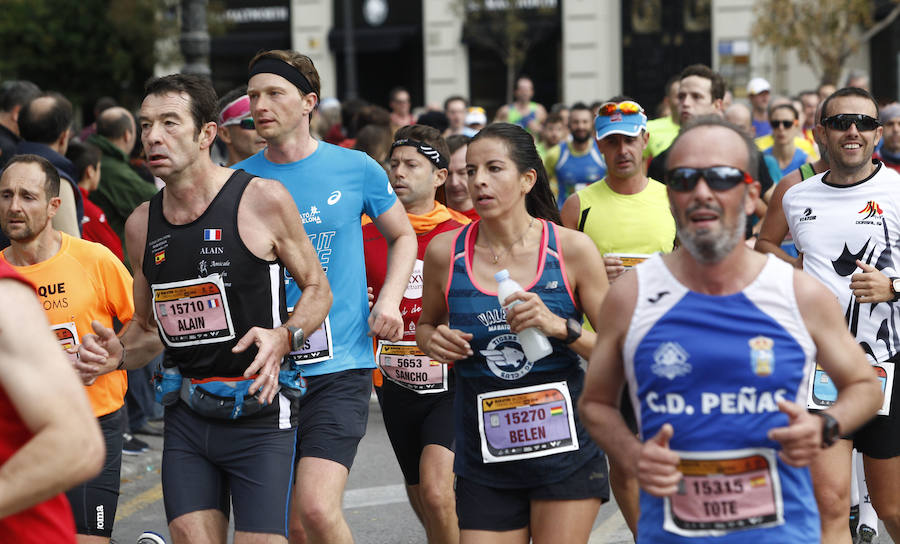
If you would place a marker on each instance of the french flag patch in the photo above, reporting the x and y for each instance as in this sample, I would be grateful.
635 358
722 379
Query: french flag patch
213 303
212 235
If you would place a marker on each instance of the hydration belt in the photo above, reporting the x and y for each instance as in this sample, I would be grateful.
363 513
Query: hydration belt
221 398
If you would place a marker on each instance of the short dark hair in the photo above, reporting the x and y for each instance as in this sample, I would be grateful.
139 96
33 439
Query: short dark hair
425 134
104 103
230 97
455 98
719 121
17 93
783 105
82 155
621 98
456 141
200 91
846 91
554 117
51 176
579 106
45 125
112 126
717 82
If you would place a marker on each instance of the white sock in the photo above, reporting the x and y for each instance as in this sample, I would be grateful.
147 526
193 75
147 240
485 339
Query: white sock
854 479
867 515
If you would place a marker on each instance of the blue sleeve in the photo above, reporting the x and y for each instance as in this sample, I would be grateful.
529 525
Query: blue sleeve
378 195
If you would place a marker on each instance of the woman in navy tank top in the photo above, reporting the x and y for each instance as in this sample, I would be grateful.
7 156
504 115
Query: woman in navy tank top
524 461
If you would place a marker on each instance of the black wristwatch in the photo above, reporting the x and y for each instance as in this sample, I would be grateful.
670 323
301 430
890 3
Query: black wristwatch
296 337
831 430
895 288
573 330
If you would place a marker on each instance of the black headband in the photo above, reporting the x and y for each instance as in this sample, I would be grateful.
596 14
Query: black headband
271 65
429 152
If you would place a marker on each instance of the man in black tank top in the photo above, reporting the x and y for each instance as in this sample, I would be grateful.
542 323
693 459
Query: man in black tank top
209 253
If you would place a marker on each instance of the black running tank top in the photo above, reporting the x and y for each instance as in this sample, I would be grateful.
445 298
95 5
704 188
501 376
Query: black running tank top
207 288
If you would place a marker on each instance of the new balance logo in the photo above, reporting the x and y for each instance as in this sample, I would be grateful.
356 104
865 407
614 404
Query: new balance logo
551 284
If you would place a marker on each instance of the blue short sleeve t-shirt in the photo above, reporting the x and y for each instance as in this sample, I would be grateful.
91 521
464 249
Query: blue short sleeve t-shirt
332 188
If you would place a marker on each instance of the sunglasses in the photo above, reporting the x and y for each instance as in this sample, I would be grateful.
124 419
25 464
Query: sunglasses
785 124
842 122
718 178
247 124
627 107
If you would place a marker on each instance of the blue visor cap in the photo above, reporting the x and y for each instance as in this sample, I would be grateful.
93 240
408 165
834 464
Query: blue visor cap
628 124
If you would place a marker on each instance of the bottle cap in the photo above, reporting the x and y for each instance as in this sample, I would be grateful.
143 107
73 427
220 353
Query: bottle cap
502 275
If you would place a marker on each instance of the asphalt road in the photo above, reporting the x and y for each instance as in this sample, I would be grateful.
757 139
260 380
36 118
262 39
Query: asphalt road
375 503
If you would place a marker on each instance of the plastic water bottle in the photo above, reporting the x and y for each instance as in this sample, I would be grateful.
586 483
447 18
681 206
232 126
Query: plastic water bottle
534 342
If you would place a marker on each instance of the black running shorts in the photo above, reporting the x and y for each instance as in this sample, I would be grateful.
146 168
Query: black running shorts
94 502
209 463
484 508
333 415
414 421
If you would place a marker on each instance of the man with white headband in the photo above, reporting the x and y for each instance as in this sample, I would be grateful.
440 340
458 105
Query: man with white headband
236 128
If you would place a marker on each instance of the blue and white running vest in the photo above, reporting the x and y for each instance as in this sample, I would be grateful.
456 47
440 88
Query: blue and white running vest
714 367
575 172
516 423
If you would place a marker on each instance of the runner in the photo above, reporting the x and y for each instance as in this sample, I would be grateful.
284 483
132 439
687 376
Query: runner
627 216
417 393
332 187
209 252
845 224
49 438
523 462
79 282
716 341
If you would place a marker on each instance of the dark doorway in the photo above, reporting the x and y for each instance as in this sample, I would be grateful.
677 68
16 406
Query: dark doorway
660 38
251 26
388 54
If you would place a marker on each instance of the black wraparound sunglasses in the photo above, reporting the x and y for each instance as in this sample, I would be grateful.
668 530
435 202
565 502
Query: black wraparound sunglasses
842 122
718 178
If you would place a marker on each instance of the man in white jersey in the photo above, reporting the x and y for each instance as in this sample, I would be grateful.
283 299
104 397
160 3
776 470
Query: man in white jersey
715 341
846 224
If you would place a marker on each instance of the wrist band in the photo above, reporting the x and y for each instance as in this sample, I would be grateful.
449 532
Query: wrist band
426 150
122 362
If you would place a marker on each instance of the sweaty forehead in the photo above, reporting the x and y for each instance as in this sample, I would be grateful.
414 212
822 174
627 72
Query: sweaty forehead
709 146
851 104
166 104
25 175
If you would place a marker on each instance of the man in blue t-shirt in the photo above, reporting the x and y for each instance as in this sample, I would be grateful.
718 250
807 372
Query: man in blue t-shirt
332 187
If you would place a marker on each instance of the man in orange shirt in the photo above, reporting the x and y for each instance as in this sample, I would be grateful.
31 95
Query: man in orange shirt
78 282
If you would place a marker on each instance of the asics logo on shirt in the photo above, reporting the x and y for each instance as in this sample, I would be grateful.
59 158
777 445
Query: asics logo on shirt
333 198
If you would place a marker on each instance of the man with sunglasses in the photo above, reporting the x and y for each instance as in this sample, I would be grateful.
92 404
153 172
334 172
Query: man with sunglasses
844 223
715 341
236 128
627 216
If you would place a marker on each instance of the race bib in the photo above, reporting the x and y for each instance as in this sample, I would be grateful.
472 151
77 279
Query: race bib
193 312
404 364
629 260
823 393
67 336
316 347
725 491
527 422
